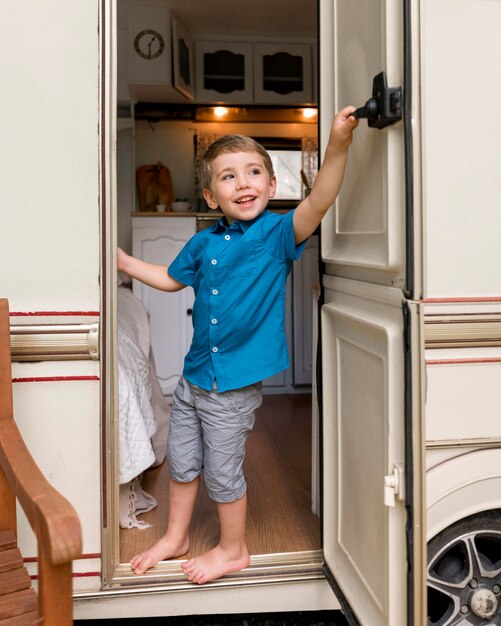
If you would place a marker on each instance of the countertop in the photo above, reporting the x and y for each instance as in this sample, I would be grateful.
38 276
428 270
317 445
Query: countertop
277 206
211 214
175 214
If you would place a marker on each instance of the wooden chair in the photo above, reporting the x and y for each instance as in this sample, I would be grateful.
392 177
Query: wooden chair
54 521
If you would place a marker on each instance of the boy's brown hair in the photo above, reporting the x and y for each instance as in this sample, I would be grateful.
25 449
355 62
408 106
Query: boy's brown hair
230 143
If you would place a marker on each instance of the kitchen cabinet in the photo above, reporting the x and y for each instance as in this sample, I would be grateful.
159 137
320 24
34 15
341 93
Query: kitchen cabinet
160 56
159 240
282 73
224 72
237 72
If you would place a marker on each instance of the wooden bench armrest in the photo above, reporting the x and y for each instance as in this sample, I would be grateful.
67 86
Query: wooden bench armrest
52 518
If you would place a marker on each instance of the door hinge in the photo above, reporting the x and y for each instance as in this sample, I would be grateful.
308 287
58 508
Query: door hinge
394 486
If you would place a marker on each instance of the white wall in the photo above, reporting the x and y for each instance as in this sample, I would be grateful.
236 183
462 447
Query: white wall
49 128
460 98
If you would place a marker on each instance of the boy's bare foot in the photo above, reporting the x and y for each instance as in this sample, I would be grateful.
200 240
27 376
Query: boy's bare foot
214 564
162 550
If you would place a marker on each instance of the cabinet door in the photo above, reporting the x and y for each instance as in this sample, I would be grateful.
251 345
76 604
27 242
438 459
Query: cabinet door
282 73
182 57
224 72
159 240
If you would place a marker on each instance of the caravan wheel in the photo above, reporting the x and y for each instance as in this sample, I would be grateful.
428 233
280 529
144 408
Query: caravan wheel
464 572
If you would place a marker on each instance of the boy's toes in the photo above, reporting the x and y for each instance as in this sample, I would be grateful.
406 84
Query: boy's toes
135 562
198 577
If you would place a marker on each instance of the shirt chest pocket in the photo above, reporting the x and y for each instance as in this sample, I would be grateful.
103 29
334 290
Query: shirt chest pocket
242 261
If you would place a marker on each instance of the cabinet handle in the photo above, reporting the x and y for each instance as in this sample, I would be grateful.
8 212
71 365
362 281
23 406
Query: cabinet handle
189 311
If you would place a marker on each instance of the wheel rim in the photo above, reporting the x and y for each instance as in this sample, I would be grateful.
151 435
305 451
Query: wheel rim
464 581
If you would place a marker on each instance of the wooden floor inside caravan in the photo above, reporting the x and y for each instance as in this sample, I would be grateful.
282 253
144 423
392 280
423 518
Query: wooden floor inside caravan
278 474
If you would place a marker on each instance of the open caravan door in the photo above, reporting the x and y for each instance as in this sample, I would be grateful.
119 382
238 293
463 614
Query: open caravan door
370 331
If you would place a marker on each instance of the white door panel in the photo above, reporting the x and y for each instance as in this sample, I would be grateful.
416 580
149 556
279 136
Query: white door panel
372 337
363 404
367 228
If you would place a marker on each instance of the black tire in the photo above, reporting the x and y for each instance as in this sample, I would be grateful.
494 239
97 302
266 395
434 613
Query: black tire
464 572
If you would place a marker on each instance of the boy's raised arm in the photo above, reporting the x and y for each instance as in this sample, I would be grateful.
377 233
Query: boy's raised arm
148 273
312 209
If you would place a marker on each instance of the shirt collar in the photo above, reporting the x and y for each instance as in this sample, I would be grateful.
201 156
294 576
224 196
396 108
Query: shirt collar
222 224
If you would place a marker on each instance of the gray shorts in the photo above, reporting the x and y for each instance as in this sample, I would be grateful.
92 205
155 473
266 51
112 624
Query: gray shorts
208 431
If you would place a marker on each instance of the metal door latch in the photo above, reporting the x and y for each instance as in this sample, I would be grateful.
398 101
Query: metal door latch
385 106
394 485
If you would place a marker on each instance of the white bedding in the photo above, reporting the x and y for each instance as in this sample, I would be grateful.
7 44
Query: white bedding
138 409
137 423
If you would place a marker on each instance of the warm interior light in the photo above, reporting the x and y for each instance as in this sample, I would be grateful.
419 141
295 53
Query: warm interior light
220 111
309 113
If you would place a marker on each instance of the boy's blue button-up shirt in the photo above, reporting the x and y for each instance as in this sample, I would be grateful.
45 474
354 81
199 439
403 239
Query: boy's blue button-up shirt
239 274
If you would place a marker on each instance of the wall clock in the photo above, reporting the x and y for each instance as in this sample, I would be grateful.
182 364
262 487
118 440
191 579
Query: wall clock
149 44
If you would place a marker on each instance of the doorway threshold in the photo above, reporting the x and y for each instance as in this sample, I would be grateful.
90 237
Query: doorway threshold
263 568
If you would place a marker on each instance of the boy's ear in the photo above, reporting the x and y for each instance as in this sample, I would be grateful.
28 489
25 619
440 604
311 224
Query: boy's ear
273 187
209 198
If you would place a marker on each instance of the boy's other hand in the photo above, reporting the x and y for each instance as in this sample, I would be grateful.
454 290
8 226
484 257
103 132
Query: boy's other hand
121 259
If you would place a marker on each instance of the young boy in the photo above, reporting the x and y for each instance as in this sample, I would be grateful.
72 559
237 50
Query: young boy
238 270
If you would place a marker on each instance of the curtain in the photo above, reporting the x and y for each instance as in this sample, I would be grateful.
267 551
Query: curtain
203 140
309 161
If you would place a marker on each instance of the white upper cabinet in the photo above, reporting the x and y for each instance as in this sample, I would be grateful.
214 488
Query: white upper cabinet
224 72
160 63
240 72
282 73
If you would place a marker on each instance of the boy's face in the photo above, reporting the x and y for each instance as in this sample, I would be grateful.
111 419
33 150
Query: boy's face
241 186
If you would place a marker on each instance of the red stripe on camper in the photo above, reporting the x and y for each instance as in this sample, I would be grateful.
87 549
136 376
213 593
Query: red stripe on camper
459 300
51 313
75 575
460 361
89 555
52 379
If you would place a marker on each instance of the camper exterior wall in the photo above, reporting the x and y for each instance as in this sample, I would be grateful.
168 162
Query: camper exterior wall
50 242
460 147
50 155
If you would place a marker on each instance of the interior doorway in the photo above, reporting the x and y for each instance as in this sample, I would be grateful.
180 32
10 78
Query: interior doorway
282 451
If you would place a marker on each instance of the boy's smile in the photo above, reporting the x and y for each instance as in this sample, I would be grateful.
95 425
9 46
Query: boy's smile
240 186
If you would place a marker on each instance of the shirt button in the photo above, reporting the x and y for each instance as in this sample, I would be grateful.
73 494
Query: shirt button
214 261
215 292
214 349
227 237
213 320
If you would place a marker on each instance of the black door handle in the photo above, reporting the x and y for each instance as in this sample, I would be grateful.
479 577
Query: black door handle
385 106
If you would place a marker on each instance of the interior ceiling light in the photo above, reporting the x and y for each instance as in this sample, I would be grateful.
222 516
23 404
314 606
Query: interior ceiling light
309 113
258 114
220 111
